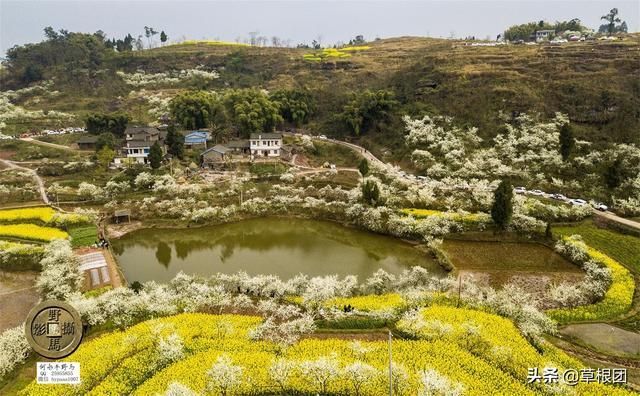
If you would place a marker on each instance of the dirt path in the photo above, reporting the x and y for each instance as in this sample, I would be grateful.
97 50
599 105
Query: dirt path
47 144
36 177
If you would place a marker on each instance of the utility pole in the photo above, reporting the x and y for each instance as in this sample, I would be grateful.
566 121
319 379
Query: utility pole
390 367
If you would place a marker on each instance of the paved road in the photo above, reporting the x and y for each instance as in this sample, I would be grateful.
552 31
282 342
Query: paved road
618 219
36 177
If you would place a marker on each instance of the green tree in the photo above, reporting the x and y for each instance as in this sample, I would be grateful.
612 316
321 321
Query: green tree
371 192
613 175
366 108
105 139
195 109
155 156
251 111
502 208
105 156
567 141
149 32
175 142
295 105
163 37
611 18
363 167
115 123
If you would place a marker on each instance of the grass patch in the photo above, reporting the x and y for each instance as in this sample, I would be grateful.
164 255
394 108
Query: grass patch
267 169
83 236
354 322
623 248
334 154
505 256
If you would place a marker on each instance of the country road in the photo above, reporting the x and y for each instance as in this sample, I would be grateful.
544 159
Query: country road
36 177
370 157
621 220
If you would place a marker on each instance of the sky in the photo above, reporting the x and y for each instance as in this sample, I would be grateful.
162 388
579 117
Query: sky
297 20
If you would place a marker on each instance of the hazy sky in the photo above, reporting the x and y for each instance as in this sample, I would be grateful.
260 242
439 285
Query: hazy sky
300 21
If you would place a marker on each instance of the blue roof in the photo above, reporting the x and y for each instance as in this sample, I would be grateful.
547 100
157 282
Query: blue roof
196 137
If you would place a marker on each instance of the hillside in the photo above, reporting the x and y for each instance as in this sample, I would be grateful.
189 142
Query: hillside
596 83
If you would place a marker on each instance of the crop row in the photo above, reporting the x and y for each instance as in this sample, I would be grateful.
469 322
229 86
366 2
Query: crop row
617 299
31 232
478 352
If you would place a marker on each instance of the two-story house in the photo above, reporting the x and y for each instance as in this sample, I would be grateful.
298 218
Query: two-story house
138 142
265 144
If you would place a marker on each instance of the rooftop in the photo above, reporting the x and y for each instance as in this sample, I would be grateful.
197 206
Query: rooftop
218 149
266 136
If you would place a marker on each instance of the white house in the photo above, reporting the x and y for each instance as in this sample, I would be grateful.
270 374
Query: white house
265 144
138 142
542 35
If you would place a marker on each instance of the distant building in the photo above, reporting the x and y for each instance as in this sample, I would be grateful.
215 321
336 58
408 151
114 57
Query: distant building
241 147
197 137
215 154
542 35
138 142
265 144
87 142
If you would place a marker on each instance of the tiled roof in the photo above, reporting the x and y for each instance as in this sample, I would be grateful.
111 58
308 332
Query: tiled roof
266 136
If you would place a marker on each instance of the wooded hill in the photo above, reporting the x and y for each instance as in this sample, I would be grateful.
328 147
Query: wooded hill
596 83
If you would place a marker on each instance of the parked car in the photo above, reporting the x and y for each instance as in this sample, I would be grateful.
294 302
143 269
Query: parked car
323 137
520 190
577 202
559 197
539 193
601 207
423 178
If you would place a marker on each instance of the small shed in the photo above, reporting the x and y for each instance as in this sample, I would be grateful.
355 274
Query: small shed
121 214
87 142
196 137
215 154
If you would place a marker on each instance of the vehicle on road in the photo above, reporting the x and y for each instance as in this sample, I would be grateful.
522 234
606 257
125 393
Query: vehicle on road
520 190
538 193
559 197
323 137
577 202
600 206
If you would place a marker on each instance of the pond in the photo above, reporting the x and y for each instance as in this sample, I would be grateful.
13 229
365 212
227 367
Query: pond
279 246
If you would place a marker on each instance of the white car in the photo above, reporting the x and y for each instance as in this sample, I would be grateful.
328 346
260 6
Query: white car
601 207
323 137
577 202
559 197
520 190
423 178
537 192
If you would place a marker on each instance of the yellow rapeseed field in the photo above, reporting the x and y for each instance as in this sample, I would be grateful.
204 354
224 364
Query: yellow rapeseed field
492 358
31 232
43 214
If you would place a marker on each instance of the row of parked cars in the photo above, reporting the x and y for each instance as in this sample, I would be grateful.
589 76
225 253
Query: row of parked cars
572 201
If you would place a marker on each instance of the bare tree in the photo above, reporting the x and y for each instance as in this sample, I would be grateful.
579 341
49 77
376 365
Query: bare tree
253 36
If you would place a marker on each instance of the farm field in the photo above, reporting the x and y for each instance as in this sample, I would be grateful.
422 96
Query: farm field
624 248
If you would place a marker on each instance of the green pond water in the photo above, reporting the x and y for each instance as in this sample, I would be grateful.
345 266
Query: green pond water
283 247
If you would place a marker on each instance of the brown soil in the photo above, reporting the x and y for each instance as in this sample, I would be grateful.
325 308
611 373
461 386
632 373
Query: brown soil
17 296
